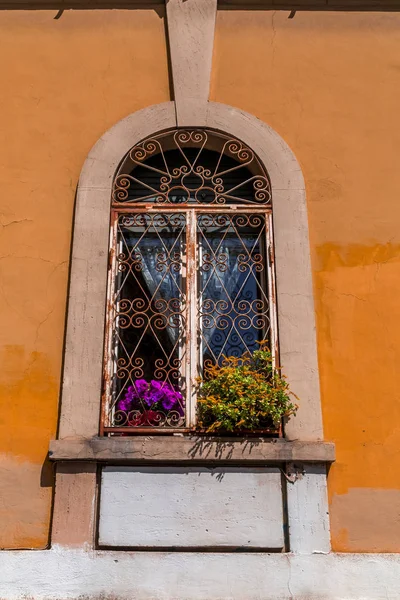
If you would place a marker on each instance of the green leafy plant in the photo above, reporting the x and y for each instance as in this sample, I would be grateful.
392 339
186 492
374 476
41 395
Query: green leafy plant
245 393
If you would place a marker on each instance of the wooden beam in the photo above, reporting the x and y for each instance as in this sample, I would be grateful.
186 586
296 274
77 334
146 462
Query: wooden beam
292 5
312 5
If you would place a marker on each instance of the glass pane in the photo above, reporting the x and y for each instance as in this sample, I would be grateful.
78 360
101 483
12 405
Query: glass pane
148 350
233 309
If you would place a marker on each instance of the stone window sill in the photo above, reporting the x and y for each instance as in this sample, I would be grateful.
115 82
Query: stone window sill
179 448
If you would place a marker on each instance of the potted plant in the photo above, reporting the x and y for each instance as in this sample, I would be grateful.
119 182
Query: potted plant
150 404
244 395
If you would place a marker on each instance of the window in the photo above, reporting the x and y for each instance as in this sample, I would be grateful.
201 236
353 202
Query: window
191 277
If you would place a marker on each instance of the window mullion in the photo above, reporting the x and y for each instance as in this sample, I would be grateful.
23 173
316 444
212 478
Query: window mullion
191 295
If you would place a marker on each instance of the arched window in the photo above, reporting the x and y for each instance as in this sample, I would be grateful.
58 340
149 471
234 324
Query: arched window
191 277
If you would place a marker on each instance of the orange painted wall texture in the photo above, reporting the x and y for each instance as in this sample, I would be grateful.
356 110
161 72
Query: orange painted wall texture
62 84
329 83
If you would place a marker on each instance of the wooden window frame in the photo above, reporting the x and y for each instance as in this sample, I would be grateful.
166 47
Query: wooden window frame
191 211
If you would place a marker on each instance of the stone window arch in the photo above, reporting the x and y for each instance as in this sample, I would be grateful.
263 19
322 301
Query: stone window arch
302 451
82 378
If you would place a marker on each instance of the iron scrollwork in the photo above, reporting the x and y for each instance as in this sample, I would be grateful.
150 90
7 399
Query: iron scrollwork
197 166
151 302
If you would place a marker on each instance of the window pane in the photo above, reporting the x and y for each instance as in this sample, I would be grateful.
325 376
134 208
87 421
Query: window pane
148 350
233 313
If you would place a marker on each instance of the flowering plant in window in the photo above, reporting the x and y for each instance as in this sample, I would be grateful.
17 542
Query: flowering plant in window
146 403
244 394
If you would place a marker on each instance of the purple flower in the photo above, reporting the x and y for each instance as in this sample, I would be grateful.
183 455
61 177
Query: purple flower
151 394
154 393
141 386
172 398
149 398
130 393
168 400
157 390
157 385
124 404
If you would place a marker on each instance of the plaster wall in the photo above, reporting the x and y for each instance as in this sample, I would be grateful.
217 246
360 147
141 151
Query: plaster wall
78 574
329 84
62 84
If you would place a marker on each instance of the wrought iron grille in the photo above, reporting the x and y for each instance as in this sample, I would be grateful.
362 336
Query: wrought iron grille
149 322
233 305
191 275
196 167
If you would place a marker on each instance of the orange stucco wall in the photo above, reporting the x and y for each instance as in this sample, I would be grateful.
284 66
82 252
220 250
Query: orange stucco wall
62 84
329 84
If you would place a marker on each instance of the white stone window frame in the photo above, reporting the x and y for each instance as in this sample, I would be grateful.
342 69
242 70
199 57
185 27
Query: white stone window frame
82 377
302 455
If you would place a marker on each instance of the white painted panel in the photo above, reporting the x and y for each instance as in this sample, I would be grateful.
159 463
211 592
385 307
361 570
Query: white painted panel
196 506
307 501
